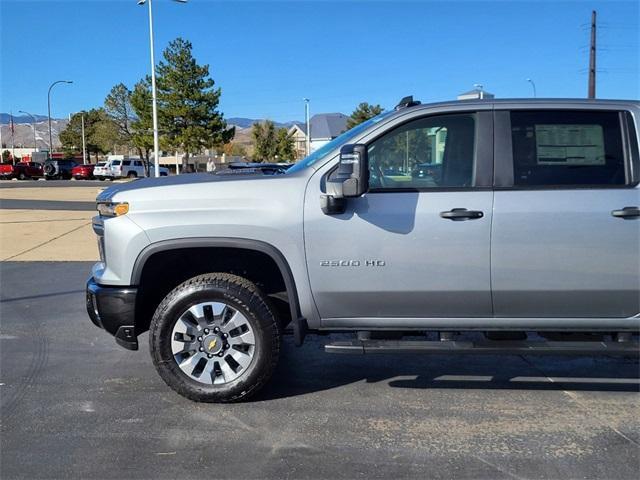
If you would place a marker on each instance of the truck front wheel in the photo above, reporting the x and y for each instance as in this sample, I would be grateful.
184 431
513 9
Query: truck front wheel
215 338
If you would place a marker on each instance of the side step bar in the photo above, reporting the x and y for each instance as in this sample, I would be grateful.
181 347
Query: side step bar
484 347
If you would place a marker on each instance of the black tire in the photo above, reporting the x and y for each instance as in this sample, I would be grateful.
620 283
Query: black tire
243 296
132 175
22 176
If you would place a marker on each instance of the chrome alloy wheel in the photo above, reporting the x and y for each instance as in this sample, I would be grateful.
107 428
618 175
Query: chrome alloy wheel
213 343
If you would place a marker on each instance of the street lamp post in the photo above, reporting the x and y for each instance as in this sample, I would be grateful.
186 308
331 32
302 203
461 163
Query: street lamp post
84 144
33 125
306 116
154 100
49 111
534 87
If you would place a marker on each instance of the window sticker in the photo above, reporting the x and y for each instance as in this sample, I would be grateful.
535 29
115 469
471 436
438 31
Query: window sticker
570 145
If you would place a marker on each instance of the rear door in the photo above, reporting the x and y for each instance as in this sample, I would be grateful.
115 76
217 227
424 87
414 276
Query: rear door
565 241
399 252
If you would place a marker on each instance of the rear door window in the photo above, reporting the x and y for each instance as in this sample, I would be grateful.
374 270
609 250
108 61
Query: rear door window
567 148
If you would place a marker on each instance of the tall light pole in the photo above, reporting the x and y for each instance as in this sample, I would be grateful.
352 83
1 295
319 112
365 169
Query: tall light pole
306 116
84 143
49 111
534 87
33 125
156 142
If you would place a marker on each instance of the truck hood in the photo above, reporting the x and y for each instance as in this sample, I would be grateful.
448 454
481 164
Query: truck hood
172 185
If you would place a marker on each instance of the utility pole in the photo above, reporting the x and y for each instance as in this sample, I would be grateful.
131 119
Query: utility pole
592 58
13 144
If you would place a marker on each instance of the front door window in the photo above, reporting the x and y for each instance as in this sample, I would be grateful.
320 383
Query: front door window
433 152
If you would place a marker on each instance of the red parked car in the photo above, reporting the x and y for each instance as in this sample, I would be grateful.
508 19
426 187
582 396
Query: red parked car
22 170
83 172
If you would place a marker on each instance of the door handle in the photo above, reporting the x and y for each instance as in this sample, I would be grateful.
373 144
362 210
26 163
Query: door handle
627 213
458 214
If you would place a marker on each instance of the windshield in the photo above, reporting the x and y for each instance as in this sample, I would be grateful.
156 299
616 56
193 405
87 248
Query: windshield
342 139
100 164
115 163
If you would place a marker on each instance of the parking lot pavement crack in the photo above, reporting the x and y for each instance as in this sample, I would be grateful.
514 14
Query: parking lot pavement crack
47 242
583 407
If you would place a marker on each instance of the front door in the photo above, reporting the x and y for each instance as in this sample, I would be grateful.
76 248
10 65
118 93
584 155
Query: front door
417 245
563 244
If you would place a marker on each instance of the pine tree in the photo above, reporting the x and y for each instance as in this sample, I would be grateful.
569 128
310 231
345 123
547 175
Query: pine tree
285 146
98 131
265 141
142 126
188 102
362 113
118 107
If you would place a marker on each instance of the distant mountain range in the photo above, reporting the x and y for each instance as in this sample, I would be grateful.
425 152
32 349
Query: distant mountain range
248 122
5 118
240 122
23 131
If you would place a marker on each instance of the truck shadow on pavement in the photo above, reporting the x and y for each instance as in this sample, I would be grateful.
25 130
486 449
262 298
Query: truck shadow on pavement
308 369
43 295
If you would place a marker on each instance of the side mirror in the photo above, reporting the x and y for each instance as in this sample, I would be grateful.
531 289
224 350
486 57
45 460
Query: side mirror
353 170
350 180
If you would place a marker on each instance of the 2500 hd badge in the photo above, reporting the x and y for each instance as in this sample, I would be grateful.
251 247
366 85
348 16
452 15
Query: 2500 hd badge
352 263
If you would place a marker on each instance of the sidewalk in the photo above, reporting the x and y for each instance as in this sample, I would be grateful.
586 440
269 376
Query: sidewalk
43 234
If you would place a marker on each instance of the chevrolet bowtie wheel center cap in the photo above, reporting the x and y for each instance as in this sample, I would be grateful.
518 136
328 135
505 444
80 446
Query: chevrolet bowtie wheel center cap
212 344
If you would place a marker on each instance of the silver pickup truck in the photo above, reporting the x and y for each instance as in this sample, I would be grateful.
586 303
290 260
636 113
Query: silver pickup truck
492 226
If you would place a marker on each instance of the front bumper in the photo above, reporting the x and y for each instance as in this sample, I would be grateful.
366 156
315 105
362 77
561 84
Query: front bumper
113 309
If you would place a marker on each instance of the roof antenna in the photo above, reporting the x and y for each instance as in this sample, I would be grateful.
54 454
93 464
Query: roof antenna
407 102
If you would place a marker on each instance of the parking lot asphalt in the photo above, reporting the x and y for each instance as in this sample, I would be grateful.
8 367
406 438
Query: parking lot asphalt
28 204
75 405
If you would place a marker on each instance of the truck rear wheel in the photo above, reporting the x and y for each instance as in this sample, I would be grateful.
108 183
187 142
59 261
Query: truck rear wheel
215 338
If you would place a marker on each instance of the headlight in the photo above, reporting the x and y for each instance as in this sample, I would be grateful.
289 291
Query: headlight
110 209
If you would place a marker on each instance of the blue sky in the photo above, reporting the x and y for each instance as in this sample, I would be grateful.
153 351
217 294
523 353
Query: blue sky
268 55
